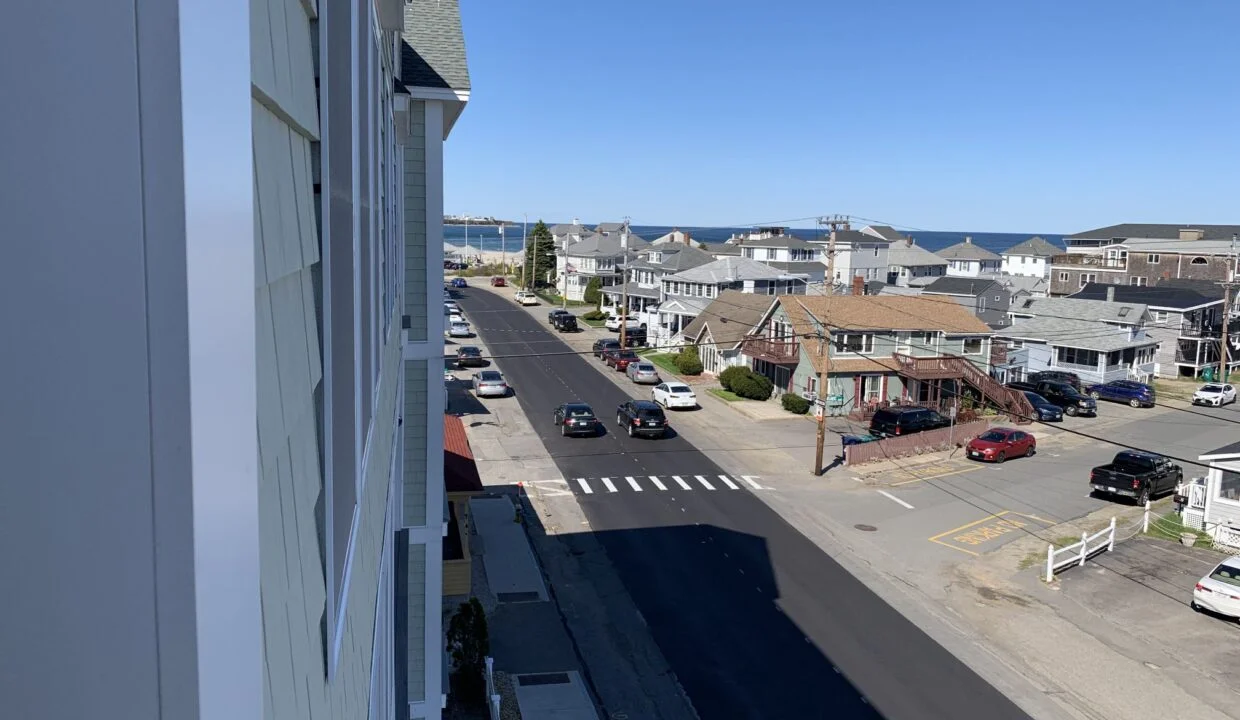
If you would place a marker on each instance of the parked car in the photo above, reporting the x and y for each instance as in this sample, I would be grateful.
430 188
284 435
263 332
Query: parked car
551 316
602 346
620 359
674 395
459 283
1137 475
455 316
498 281
635 337
889 422
566 323
613 323
459 330
490 383
1134 393
1046 410
999 444
1214 394
452 306
470 356
642 417
643 373
524 297
1219 592
1062 376
1061 394
576 418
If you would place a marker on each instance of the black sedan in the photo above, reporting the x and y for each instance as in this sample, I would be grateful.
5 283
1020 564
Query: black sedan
470 356
576 418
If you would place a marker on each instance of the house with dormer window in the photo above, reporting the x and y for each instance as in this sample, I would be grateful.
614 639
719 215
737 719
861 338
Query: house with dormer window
686 294
645 278
594 256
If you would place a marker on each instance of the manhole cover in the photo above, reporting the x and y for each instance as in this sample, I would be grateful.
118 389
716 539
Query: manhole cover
865 528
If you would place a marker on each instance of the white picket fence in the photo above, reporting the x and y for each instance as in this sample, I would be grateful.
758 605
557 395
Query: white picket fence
492 696
1078 552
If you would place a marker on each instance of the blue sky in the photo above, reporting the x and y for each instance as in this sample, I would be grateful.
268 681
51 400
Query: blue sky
1053 116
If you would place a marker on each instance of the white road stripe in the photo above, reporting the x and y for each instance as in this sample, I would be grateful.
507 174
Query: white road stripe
750 479
704 482
895 499
585 486
657 483
731 485
608 485
682 483
633 484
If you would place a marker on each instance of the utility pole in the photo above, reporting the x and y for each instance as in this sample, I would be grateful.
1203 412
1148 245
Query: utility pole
824 353
503 246
1224 351
525 276
624 283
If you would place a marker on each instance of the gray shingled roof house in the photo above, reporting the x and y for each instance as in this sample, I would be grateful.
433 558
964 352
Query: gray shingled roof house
1098 340
986 299
1033 247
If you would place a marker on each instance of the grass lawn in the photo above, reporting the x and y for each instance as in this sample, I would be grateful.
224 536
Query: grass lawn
554 299
725 394
1169 527
1182 389
663 361
593 323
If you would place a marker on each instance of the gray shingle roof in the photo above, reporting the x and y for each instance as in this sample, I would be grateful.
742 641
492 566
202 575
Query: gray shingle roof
728 269
777 241
856 236
685 305
730 317
433 46
609 227
967 251
723 249
1034 247
635 290
913 256
1208 288
1084 334
971 287
673 259
569 229
1095 311
1176 298
886 232
800 267
1154 230
595 245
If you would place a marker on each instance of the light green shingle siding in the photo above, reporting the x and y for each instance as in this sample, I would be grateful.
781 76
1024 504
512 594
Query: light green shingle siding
415 635
415 428
415 224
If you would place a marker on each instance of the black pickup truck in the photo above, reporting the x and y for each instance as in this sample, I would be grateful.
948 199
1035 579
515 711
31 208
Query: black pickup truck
1061 394
1136 475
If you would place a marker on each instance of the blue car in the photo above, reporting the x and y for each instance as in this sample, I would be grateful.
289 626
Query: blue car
459 283
1134 393
1046 410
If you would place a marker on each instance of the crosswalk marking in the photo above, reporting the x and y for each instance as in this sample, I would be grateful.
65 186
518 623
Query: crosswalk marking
657 483
607 483
731 482
585 486
682 483
731 485
749 479
633 484
706 483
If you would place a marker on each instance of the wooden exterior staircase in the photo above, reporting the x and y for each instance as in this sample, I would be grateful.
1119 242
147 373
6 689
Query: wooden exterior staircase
1012 403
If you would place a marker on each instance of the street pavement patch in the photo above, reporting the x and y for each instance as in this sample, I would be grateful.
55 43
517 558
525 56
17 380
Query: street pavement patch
991 532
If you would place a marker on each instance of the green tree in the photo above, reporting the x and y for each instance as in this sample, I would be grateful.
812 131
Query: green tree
539 255
594 291
469 643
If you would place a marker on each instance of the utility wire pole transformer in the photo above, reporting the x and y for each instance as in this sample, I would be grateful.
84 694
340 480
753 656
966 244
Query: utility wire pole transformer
824 354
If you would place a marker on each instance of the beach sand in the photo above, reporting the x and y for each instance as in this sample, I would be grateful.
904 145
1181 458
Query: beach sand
493 257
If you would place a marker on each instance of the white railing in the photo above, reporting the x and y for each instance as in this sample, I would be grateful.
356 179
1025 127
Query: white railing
1077 553
1226 539
492 696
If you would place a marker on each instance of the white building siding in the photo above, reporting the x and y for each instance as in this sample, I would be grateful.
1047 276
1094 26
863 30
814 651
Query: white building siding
1026 265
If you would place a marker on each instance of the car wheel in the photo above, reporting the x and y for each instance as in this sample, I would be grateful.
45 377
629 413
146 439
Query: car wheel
1095 395
620 420
1033 449
1000 458
630 431
1144 498
1193 604
1070 410
563 430
1135 403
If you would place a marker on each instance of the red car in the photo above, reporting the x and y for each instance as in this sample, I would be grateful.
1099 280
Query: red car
620 359
999 444
498 281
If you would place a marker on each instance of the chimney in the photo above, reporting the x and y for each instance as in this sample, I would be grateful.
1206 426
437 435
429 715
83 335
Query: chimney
908 241
688 239
1192 234
858 285
576 221
1110 293
968 239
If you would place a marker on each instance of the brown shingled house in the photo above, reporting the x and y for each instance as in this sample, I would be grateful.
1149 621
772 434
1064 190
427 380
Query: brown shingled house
461 481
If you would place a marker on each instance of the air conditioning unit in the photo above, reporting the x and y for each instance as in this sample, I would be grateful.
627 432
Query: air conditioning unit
810 396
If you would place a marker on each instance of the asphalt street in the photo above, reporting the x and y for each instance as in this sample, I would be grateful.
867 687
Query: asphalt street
755 620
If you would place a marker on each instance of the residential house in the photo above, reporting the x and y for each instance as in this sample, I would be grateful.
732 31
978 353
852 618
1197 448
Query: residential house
1186 323
461 482
785 252
1099 340
967 259
720 329
986 299
687 293
594 256
611 228
676 237
245 519
1213 502
886 232
1138 254
881 349
1021 286
1030 258
910 265
645 278
858 254
567 233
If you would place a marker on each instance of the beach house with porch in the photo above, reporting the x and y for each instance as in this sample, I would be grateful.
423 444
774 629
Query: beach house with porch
686 294
721 328
596 255
883 349
645 278
1212 502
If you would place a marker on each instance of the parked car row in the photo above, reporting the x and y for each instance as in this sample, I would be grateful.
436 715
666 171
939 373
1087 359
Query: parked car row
638 418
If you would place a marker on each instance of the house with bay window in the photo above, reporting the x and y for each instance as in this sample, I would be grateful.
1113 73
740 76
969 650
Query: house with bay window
1099 340
874 350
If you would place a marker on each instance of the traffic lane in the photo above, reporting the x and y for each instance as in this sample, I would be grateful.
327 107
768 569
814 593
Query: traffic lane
742 526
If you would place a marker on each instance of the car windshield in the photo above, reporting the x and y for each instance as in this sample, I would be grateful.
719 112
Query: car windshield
1226 574
643 367
992 436
580 411
678 389
1212 388
470 350
490 376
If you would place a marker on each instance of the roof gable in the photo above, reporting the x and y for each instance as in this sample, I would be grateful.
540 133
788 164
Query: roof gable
730 317
967 250
885 312
1033 247
432 52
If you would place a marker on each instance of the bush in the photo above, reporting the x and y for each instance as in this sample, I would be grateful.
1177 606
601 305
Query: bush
688 362
753 386
594 291
594 315
794 403
468 644
729 375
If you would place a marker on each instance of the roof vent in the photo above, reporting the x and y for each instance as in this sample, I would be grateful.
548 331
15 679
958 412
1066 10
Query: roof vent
1192 234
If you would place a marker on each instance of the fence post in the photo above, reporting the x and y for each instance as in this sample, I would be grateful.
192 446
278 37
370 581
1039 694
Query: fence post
1084 547
1111 545
1050 562
1145 520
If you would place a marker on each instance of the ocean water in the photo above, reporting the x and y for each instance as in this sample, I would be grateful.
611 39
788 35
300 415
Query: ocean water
488 237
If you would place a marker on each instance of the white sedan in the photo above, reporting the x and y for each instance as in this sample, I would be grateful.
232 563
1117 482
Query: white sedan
674 395
459 330
1219 591
527 298
1214 394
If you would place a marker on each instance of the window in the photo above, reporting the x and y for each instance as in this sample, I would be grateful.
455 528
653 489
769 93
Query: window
1160 316
811 384
1087 278
1123 312
875 251
1229 485
972 346
1016 344
1199 261
997 299
1138 281
1063 277
1152 259
1076 356
857 344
